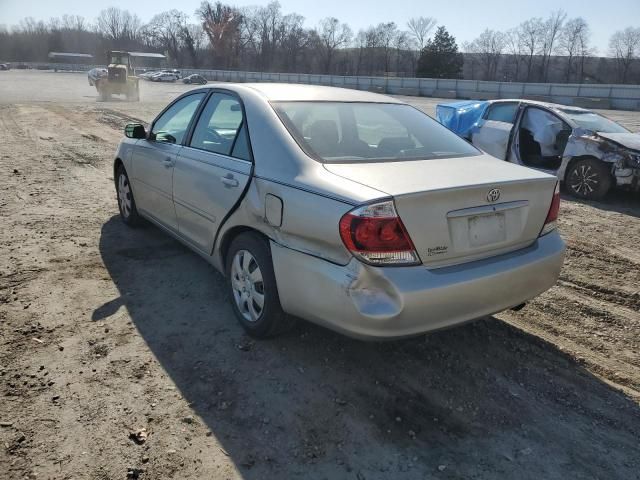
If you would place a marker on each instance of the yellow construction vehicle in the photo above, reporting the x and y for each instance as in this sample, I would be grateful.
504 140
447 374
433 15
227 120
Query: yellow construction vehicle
121 78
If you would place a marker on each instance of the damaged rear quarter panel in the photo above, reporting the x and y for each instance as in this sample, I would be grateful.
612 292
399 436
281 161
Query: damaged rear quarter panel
309 220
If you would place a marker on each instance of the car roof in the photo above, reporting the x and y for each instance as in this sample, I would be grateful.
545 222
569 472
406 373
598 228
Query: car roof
293 92
553 106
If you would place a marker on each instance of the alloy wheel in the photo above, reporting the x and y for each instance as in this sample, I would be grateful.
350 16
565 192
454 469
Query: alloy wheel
247 285
584 180
124 195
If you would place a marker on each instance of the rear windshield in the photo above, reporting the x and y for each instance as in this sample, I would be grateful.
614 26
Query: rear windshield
352 132
593 121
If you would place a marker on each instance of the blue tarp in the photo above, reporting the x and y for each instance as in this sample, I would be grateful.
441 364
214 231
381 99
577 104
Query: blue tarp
461 117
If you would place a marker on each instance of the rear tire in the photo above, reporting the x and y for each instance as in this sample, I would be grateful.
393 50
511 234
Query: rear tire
589 179
126 202
252 287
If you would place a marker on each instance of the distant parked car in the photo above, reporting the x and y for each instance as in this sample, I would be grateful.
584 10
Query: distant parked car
148 75
96 73
177 73
347 208
164 77
4 66
22 66
587 151
195 79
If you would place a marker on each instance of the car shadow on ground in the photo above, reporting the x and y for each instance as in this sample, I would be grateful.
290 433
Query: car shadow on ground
621 201
484 400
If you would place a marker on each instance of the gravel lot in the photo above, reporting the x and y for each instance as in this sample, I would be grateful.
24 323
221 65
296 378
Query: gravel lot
105 331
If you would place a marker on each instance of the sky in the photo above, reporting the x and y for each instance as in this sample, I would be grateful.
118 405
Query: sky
465 19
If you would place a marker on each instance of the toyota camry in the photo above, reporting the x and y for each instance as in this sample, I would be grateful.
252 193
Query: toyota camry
346 208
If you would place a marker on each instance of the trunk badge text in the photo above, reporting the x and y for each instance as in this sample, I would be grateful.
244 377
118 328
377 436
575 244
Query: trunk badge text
493 195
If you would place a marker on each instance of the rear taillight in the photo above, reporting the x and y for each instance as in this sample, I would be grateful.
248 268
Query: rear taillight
375 234
552 216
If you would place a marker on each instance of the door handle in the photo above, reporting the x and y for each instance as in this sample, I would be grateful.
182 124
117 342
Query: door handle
229 181
168 162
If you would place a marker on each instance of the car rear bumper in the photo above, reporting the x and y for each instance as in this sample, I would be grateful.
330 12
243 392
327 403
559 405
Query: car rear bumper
377 303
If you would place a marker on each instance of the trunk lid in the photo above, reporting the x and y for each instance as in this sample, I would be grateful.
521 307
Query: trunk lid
461 209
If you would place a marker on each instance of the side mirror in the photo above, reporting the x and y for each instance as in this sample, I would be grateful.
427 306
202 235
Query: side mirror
135 130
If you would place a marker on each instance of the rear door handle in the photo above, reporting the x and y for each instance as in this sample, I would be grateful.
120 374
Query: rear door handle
229 181
168 162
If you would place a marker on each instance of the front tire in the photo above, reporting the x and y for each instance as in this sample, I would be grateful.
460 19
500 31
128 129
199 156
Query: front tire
252 287
589 179
126 202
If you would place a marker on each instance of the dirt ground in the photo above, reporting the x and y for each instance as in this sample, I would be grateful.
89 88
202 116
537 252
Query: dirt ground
106 330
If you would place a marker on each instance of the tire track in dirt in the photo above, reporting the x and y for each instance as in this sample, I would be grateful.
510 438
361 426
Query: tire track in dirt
618 374
601 335
610 295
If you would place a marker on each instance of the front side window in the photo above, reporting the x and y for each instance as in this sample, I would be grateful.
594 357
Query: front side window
218 125
351 132
173 123
503 112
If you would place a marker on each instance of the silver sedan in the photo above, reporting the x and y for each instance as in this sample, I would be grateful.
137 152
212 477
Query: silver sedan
349 209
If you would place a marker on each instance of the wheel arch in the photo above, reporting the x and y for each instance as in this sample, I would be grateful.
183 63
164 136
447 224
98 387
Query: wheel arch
117 163
227 238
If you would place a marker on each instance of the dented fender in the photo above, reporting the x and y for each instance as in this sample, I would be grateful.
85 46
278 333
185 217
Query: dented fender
624 162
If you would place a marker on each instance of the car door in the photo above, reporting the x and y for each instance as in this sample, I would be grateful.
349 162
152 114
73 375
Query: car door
154 158
212 170
494 133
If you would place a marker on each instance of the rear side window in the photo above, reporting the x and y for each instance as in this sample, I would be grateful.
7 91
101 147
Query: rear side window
218 125
241 147
172 125
502 112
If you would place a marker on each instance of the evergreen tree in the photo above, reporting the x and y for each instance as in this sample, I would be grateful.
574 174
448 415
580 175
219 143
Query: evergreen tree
440 57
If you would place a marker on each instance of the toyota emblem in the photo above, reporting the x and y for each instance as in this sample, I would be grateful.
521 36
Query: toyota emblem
493 195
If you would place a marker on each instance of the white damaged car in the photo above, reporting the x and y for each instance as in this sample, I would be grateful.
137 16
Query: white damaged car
584 149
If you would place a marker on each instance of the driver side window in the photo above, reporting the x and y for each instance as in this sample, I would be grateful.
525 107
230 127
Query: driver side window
218 125
172 124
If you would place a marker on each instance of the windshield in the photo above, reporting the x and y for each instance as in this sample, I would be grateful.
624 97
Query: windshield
350 132
593 121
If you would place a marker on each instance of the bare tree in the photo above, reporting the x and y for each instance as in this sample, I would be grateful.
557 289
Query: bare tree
73 22
549 34
573 38
332 35
530 33
294 40
488 47
515 49
119 26
404 45
192 37
165 31
387 33
584 51
625 48
30 26
420 28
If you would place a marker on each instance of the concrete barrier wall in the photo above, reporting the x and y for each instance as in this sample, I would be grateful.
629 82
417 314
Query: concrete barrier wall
623 97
